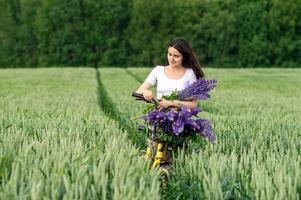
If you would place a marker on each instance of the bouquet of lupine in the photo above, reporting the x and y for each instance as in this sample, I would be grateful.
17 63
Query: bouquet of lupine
183 122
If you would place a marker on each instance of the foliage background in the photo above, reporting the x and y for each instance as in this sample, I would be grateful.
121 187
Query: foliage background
229 33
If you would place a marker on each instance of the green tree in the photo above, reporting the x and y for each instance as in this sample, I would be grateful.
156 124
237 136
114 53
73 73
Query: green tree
60 32
149 31
10 21
106 22
229 33
284 31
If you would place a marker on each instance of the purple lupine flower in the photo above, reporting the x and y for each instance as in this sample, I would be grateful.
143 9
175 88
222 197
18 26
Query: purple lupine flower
195 111
176 122
172 115
184 113
191 123
184 118
205 129
151 115
178 126
199 90
161 116
187 112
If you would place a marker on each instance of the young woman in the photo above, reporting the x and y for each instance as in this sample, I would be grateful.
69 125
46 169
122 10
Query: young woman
183 69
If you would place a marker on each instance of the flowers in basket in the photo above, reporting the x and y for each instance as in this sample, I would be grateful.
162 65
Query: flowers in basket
173 123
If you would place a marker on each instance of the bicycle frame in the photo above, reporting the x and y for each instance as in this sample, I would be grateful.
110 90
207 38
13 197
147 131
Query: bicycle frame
157 151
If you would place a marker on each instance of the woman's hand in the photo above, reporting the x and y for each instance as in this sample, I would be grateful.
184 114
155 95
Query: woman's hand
144 90
164 103
147 94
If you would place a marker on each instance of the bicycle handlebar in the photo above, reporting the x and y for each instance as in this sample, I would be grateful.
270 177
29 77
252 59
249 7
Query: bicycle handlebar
141 97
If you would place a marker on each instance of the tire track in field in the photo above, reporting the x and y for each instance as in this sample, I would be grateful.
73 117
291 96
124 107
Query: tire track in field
104 101
133 75
105 104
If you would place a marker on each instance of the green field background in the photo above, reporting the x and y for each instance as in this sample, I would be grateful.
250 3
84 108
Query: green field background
69 133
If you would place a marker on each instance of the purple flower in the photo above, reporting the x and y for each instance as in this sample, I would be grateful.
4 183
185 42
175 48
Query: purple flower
195 111
151 115
172 115
176 122
161 116
205 129
178 126
199 90
185 112
191 123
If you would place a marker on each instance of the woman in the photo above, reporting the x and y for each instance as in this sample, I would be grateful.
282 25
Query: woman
183 69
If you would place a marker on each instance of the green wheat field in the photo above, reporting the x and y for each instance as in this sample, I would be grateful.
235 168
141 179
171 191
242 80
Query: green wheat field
69 133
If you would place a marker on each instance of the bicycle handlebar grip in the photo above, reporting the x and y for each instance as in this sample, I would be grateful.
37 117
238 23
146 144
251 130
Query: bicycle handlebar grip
141 97
137 95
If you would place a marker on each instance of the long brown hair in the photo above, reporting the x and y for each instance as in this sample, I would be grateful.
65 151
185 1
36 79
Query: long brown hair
189 57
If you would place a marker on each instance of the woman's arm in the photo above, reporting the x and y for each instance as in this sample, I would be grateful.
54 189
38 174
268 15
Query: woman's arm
176 103
144 90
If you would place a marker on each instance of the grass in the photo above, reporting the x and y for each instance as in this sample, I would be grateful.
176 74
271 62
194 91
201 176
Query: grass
69 134
56 143
256 116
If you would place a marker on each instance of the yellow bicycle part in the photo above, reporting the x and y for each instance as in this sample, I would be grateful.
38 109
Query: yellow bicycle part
148 153
159 156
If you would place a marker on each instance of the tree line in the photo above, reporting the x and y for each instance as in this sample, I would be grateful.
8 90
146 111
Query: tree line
223 33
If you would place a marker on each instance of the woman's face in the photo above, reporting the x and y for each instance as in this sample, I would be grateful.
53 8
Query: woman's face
174 57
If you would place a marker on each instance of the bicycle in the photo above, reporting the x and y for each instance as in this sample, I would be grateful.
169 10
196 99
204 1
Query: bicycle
158 152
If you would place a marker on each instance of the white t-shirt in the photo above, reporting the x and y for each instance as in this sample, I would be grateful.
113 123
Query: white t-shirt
165 85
